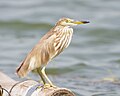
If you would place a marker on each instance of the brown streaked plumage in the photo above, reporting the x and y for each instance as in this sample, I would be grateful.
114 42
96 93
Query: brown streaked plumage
50 45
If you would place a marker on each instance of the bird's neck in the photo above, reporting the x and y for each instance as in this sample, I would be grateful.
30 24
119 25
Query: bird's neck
62 28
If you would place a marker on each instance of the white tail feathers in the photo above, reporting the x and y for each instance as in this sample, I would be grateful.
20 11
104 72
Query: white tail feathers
21 73
26 66
22 70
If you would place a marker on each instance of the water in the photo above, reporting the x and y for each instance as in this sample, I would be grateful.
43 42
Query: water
92 61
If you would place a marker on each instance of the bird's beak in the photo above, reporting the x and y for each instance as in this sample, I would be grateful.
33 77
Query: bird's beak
81 22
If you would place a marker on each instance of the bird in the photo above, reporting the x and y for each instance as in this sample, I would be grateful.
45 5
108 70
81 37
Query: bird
49 46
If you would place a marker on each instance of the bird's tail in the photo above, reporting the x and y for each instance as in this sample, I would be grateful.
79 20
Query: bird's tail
22 70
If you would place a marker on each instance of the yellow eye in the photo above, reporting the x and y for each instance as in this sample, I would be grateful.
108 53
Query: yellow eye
67 21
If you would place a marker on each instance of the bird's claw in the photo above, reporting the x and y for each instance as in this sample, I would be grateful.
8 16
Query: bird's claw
53 86
47 86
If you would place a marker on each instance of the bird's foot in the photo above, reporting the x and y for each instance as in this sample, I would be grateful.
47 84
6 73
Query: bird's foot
53 86
46 86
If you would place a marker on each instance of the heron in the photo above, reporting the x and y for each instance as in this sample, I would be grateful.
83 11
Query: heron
49 46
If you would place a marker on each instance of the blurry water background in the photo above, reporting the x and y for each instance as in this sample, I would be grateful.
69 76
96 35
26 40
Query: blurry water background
93 55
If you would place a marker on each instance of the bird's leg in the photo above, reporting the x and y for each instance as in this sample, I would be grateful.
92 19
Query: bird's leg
44 74
41 75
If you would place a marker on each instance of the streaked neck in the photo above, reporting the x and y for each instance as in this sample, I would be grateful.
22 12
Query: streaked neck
63 28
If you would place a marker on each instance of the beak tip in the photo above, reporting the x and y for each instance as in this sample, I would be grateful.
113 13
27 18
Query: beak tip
85 22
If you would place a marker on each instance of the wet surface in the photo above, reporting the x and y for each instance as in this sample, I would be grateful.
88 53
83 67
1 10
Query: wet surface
91 64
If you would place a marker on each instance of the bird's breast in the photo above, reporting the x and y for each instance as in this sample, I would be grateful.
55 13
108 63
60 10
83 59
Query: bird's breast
63 38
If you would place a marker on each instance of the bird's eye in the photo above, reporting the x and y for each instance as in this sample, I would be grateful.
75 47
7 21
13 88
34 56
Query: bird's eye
67 21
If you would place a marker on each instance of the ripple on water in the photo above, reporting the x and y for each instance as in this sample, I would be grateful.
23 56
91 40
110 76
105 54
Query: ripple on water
93 54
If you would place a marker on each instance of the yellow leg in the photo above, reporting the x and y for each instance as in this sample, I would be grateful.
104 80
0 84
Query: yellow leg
44 74
41 75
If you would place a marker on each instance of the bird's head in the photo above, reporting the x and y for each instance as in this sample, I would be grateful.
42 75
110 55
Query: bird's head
69 22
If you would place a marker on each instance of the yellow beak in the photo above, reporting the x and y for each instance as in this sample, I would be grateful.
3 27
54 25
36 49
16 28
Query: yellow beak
81 22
